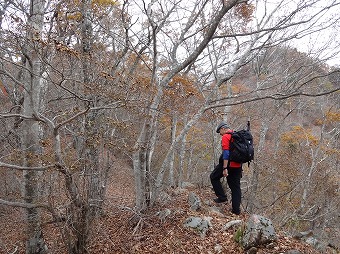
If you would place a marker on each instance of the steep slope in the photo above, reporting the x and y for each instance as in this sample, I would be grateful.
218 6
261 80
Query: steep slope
121 229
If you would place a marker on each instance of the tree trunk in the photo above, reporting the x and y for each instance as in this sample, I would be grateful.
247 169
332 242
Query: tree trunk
263 133
308 178
33 97
255 173
189 165
86 207
181 161
172 155
139 167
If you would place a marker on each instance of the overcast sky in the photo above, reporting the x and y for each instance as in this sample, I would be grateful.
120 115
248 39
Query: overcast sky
320 41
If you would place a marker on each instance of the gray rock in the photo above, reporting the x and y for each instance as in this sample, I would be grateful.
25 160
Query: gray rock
204 227
200 225
164 214
194 201
192 222
312 241
259 230
319 245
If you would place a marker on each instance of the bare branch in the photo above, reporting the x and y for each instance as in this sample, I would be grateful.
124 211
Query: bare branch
22 205
273 97
207 38
17 115
42 168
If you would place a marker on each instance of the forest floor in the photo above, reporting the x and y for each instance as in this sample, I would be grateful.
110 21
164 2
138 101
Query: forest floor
122 230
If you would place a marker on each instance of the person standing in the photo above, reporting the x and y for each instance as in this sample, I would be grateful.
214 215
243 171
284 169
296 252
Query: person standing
226 168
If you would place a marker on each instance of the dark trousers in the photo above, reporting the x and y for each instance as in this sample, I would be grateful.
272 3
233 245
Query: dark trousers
233 180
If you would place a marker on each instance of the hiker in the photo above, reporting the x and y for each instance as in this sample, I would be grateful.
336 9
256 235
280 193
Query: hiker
225 168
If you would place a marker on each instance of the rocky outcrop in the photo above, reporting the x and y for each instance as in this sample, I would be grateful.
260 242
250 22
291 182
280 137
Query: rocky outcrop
194 201
200 225
208 219
259 230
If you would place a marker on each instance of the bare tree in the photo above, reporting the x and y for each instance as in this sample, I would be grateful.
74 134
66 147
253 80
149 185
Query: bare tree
109 69
53 59
34 92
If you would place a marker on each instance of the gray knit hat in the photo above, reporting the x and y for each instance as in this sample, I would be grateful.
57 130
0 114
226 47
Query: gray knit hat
222 124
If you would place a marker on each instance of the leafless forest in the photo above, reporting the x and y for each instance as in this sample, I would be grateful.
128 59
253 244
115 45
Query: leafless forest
94 93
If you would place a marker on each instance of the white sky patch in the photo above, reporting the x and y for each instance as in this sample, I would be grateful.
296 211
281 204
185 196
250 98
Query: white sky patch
318 38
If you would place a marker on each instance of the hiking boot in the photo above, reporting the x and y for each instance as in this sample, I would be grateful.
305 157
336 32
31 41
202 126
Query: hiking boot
235 212
220 200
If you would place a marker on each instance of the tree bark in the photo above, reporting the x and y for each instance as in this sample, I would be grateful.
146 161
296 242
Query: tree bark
182 152
171 163
33 97
86 209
